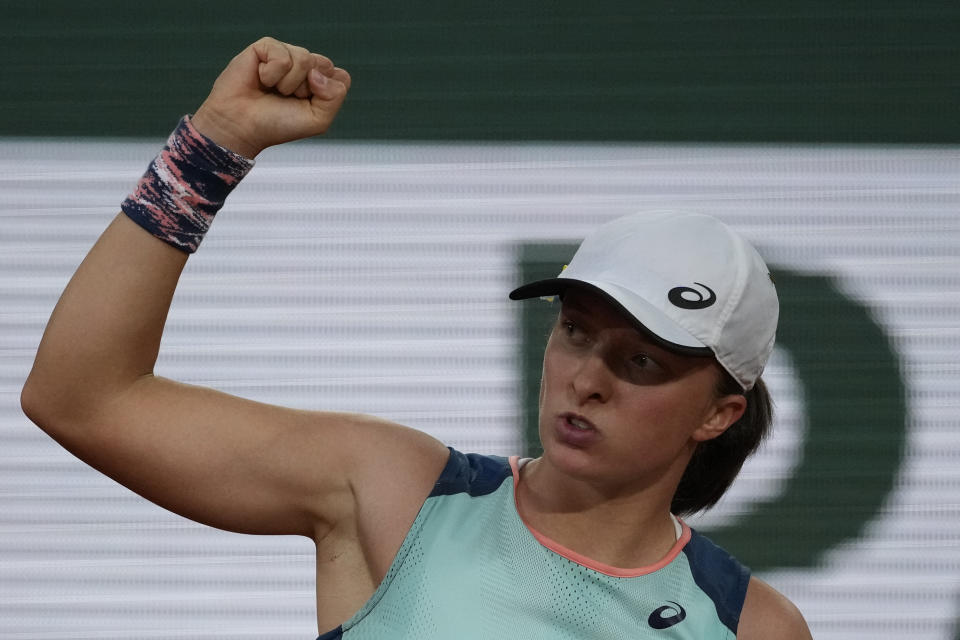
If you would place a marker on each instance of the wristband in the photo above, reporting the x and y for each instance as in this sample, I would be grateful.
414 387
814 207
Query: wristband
184 187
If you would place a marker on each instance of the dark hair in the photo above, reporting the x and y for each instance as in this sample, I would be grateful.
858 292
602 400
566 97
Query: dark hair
715 463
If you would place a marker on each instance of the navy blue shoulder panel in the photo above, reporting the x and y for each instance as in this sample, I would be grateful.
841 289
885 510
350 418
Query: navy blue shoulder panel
471 473
720 576
333 634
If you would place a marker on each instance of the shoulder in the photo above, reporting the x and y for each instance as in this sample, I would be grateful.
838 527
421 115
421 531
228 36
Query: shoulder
391 468
719 575
767 614
385 472
472 473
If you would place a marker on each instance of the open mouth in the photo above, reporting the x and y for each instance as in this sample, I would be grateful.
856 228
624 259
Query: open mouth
579 423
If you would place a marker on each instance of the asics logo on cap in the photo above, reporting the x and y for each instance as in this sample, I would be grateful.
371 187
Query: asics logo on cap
683 297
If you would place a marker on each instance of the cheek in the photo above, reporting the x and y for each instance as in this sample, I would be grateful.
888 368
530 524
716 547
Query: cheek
669 416
543 385
548 375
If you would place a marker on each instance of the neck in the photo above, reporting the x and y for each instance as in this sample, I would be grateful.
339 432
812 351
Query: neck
617 526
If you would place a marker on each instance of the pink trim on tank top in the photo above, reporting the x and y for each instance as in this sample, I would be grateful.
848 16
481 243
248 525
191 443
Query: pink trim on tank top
573 556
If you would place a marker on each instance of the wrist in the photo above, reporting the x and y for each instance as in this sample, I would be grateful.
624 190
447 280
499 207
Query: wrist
185 186
221 131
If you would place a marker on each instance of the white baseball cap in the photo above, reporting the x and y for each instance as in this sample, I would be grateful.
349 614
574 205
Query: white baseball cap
687 279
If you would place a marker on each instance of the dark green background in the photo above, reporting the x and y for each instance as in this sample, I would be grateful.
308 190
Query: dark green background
571 70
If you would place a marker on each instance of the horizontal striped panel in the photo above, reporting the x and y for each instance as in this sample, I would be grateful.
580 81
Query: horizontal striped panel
373 277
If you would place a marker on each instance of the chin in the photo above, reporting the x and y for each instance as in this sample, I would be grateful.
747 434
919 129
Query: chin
597 468
582 464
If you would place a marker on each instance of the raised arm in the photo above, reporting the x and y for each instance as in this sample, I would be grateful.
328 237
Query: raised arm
212 457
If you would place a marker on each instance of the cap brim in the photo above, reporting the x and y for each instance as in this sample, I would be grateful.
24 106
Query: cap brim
644 315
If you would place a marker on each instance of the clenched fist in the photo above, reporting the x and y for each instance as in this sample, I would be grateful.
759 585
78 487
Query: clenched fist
271 92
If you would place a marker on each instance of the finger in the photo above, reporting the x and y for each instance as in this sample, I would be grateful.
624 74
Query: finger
302 63
275 61
303 91
343 77
321 62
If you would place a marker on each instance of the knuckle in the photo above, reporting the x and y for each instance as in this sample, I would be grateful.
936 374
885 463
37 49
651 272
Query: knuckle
302 58
266 41
343 77
285 63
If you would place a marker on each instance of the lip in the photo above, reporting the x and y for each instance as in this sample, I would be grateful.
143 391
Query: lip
571 435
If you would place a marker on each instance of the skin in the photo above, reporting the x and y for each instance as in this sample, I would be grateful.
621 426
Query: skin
351 483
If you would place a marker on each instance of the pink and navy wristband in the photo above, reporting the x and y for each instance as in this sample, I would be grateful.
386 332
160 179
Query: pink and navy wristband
184 187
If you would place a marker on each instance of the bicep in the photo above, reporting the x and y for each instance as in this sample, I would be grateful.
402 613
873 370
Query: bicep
236 464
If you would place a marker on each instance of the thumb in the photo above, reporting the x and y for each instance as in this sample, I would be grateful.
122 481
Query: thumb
328 87
328 93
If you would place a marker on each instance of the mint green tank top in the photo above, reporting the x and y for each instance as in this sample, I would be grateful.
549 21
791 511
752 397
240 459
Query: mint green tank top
470 569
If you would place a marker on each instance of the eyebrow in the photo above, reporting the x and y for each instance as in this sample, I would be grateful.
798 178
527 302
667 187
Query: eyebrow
642 338
576 306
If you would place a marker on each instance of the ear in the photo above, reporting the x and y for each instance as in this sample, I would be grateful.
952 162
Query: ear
724 412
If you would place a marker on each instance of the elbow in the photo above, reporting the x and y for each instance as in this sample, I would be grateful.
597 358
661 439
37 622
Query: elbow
68 413
71 410
47 403
32 401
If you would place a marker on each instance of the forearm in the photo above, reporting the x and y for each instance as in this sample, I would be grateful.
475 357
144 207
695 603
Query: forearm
105 331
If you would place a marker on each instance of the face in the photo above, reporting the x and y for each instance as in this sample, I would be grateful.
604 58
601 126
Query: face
616 408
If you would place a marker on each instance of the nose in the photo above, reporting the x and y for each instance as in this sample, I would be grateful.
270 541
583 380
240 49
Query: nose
592 379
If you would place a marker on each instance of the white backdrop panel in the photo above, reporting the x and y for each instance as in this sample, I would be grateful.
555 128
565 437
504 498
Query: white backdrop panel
373 278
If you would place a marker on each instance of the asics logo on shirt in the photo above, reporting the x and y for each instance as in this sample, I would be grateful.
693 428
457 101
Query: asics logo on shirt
666 616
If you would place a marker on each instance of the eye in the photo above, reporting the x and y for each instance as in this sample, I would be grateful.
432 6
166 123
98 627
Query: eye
572 332
645 364
570 328
642 360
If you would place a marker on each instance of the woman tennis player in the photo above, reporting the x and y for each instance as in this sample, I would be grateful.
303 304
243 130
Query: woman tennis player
651 399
